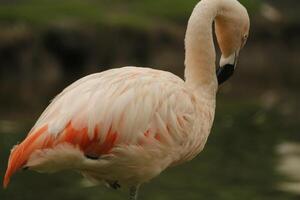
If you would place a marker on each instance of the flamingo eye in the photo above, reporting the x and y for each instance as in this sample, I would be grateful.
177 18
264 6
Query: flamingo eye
244 39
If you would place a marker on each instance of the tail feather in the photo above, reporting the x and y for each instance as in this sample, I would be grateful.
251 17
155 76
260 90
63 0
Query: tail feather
38 140
20 153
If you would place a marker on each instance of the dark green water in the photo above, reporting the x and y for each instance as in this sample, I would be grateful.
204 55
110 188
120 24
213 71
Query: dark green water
238 163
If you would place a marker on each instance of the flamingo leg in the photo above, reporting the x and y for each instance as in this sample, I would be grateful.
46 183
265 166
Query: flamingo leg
133 192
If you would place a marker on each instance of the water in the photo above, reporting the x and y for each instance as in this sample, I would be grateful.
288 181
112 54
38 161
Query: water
245 158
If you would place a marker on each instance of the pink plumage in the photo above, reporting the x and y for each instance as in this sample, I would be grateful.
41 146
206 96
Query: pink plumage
111 113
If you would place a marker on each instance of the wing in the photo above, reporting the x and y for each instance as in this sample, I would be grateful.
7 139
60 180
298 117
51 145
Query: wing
116 107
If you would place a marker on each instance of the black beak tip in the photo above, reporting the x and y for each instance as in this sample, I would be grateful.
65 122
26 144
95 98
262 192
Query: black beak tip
224 73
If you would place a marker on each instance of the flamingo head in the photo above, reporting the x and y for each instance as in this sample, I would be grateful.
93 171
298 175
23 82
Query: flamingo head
232 30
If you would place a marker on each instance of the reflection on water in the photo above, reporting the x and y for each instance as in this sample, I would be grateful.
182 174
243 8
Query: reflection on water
239 162
289 165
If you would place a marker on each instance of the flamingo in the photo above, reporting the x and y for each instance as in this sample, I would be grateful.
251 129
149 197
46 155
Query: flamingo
125 126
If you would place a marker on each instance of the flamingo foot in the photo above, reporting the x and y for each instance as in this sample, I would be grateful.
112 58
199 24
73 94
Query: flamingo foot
115 185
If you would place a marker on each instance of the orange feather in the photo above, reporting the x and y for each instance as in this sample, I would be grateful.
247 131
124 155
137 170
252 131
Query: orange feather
20 153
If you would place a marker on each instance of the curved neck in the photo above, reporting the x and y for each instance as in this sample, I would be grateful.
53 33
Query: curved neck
200 55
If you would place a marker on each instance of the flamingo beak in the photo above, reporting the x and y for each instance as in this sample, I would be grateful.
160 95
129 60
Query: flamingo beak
227 67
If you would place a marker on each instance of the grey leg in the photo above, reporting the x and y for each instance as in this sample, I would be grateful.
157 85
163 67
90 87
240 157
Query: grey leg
133 192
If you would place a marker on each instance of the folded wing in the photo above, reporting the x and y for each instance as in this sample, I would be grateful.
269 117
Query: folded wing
104 110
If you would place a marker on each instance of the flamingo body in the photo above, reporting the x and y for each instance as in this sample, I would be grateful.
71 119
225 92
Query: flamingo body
134 121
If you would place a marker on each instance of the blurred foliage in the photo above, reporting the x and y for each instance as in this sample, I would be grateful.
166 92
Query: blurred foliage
134 13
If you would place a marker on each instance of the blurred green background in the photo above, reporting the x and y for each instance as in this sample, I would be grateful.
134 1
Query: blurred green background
254 149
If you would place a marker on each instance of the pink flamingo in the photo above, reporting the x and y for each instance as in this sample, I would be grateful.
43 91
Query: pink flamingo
125 126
